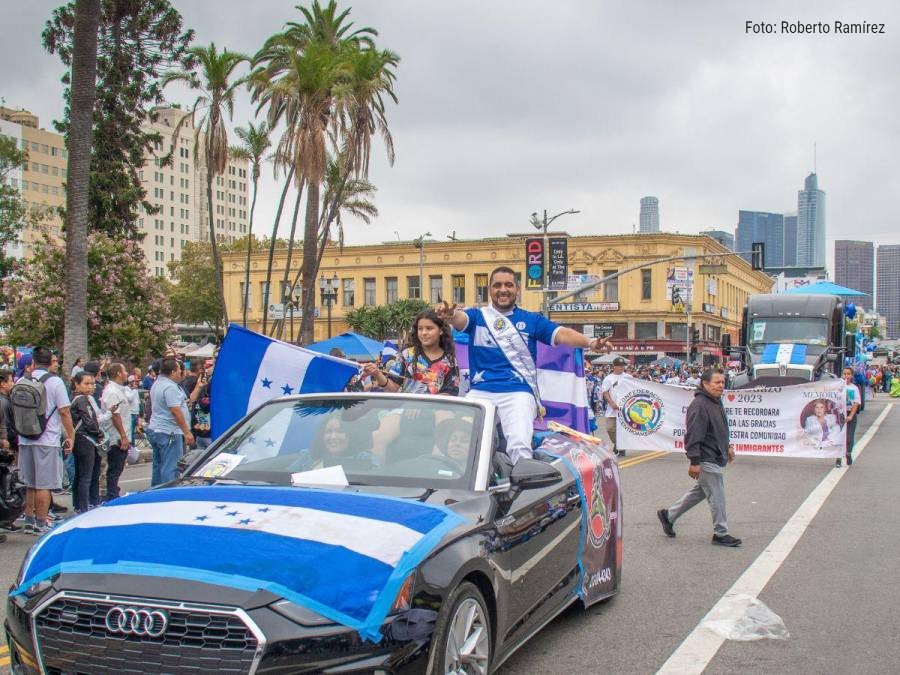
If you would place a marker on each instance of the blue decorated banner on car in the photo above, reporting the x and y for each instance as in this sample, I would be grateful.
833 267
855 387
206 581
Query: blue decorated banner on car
342 555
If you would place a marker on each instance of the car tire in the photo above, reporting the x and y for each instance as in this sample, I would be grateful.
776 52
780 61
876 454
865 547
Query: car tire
464 621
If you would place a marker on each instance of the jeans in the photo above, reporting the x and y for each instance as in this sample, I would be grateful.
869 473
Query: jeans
851 439
86 486
167 450
69 464
115 464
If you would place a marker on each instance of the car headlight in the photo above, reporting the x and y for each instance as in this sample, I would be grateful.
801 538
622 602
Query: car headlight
403 601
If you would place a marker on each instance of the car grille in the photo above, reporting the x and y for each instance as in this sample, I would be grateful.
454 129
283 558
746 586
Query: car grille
73 638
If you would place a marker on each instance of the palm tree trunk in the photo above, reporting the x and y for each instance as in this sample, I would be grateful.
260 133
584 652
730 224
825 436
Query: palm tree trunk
290 254
249 251
308 269
265 300
84 83
217 261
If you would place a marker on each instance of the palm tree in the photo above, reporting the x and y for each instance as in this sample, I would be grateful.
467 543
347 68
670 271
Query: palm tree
310 79
84 87
217 87
255 143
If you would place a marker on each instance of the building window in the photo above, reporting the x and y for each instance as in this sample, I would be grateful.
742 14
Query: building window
481 289
436 289
676 331
611 288
644 330
713 333
413 290
646 284
458 286
390 290
347 285
369 292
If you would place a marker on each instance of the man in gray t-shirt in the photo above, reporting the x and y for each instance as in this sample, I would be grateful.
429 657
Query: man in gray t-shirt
169 432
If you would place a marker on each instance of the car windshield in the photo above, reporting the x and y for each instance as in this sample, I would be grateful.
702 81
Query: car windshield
788 330
374 440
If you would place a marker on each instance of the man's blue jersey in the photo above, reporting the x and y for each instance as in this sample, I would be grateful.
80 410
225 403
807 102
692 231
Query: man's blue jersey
489 369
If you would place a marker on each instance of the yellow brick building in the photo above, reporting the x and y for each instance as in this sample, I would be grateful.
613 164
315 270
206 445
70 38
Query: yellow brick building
636 310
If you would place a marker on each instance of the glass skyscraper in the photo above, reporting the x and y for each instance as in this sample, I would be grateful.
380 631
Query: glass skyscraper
888 287
811 224
790 240
649 214
854 267
761 226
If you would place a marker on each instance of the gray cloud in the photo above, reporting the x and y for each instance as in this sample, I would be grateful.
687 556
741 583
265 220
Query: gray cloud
510 107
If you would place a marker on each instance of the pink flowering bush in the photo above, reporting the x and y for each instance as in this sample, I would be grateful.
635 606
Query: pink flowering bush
128 314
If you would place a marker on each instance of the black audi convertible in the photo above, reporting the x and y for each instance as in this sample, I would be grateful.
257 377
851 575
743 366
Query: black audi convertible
336 533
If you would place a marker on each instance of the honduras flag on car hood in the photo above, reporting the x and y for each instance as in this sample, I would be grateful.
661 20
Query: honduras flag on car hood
252 369
343 555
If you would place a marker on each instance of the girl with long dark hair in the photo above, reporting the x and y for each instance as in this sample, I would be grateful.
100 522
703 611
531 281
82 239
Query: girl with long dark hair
428 365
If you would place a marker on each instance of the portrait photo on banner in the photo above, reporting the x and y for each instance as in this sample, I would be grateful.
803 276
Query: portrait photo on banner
822 421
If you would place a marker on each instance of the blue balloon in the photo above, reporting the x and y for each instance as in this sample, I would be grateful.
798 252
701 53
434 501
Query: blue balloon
850 310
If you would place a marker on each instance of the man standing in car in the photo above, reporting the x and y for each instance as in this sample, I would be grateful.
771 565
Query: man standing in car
502 355
709 451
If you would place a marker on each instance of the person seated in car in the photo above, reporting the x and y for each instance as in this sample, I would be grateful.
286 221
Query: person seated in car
453 440
336 442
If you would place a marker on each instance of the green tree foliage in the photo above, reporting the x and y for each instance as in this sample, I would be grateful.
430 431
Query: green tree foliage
139 42
128 315
193 297
386 321
12 207
874 332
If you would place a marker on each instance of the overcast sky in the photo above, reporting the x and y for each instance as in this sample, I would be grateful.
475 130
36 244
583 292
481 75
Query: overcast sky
511 107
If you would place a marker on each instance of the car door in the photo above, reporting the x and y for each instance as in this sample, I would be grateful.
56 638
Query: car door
536 550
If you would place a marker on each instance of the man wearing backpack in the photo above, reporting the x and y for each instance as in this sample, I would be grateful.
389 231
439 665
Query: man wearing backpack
40 406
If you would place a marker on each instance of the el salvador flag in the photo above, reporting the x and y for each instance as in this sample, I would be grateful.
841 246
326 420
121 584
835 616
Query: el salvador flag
343 555
252 369
784 354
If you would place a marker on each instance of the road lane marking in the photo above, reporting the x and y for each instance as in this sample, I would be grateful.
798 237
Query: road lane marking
642 458
701 645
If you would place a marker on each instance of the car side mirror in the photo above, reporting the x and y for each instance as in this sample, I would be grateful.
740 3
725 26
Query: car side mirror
726 342
528 474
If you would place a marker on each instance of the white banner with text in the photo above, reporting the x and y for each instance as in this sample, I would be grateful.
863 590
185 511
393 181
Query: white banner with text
804 420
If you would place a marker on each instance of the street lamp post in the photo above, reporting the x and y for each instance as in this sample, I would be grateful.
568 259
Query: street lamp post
293 301
539 224
328 289
420 242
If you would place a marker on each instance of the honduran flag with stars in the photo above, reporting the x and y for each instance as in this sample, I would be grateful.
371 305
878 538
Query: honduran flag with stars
252 369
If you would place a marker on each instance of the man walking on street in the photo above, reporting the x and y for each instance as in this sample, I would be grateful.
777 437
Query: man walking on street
709 451
168 431
610 382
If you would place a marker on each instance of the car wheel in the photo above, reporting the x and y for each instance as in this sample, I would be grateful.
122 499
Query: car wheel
462 643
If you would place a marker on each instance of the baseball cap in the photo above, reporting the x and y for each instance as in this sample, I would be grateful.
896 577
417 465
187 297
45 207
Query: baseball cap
619 361
92 367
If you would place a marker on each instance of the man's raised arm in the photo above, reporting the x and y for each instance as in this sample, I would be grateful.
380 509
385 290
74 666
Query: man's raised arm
455 317
572 338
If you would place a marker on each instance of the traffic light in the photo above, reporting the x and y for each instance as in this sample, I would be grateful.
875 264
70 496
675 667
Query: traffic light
758 255
695 336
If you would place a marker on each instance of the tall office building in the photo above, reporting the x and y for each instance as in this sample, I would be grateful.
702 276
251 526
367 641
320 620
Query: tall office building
724 238
790 240
761 226
811 224
854 267
887 287
179 189
41 181
649 214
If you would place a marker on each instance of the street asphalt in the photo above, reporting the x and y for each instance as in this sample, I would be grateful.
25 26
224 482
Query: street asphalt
836 591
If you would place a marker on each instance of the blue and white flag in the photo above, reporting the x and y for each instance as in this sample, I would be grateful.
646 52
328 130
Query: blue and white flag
343 555
389 352
560 377
252 369
784 354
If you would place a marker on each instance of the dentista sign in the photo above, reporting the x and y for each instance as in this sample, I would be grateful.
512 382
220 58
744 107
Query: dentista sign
585 307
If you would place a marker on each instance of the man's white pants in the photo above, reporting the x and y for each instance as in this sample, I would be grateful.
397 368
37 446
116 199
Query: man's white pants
517 411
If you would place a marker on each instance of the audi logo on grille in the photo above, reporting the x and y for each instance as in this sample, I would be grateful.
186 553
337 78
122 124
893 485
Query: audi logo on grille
140 622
